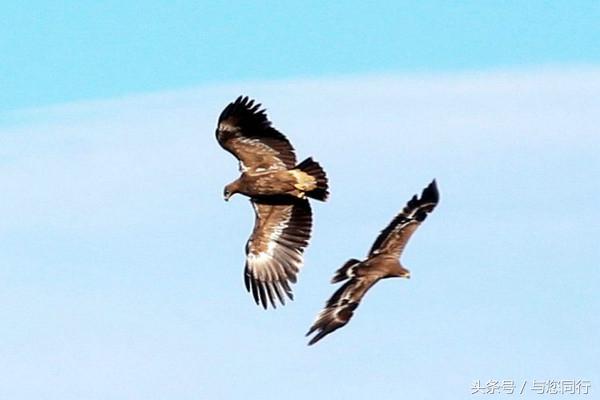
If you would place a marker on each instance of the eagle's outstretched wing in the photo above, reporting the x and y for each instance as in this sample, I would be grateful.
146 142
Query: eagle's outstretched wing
394 237
274 252
340 307
245 131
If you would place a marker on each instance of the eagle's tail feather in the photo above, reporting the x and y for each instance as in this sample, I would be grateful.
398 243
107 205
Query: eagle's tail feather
312 168
345 271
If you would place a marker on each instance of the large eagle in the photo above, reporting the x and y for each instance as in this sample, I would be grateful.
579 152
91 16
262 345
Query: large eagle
278 190
381 262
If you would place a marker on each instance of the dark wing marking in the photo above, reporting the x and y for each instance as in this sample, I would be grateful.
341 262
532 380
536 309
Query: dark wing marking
340 307
394 237
346 271
245 131
275 248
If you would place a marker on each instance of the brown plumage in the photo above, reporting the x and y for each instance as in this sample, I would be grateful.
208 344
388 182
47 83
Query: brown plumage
278 190
382 262
266 157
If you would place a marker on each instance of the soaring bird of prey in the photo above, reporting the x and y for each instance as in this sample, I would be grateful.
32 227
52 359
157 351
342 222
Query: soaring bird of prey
278 190
382 262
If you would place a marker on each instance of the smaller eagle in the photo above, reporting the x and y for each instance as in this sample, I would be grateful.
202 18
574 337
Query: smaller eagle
278 189
381 262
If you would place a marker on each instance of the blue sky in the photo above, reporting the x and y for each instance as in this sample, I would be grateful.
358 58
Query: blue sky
121 266
86 50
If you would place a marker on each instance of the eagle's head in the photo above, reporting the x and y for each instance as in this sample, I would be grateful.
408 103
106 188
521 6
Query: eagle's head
404 272
228 191
231 189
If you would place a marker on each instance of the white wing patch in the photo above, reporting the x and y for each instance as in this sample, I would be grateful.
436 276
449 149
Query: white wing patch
225 127
260 257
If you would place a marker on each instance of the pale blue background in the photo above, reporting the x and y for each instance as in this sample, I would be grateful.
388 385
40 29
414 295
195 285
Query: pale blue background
121 266
55 52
